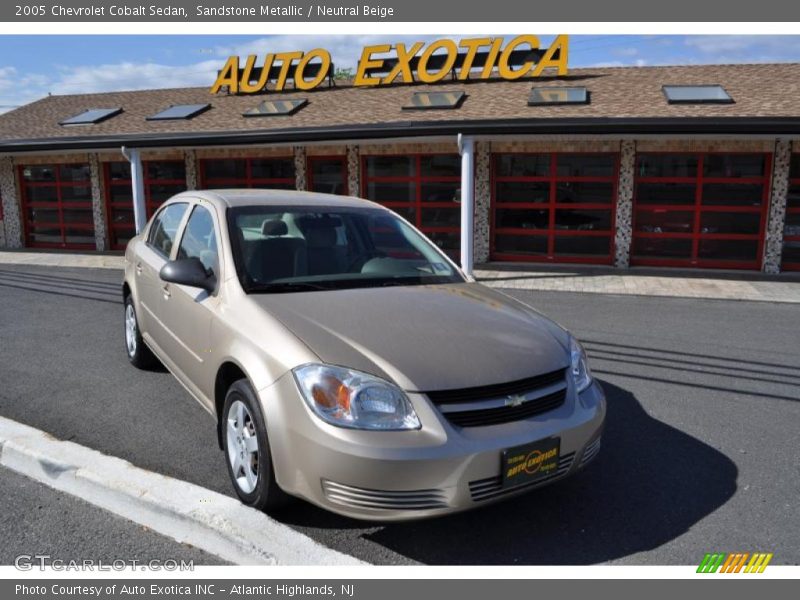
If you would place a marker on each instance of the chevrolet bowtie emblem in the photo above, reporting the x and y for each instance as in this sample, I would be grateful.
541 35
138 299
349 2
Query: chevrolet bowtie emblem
515 400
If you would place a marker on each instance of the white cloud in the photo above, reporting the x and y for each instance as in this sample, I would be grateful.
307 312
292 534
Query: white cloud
745 47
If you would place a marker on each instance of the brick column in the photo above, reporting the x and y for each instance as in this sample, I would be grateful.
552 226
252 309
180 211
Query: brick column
622 239
353 171
301 182
190 166
11 209
773 244
98 204
482 202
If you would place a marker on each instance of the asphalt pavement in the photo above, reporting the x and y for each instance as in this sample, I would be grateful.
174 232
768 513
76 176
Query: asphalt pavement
42 525
700 451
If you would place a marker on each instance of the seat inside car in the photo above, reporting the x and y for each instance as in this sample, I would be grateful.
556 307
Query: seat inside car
276 256
325 254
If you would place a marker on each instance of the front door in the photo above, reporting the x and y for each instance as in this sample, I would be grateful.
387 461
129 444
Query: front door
188 311
150 257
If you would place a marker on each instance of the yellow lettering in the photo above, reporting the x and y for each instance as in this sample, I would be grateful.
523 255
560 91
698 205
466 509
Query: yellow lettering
472 46
286 59
561 43
504 69
422 67
491 58
367 62
300 82
403 66
228 76
244 83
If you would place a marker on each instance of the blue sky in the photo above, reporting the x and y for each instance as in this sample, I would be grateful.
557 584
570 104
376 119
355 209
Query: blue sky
33 66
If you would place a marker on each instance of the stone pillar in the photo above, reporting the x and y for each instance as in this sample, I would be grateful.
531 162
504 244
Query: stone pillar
11 208
301 182
190 162
622 239
98 203
483 195
773 244
353 171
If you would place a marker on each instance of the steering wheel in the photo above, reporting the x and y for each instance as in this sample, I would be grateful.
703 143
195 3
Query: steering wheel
363 257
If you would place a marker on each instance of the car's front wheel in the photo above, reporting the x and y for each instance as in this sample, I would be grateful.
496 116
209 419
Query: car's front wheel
246 446
138 353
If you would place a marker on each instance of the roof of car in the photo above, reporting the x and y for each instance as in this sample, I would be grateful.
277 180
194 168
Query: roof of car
261 197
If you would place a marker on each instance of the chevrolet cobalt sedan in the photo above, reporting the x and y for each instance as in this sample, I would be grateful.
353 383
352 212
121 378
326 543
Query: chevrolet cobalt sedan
348 361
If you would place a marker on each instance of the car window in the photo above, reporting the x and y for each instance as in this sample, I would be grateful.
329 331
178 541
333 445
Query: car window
165 227
200 239
299 248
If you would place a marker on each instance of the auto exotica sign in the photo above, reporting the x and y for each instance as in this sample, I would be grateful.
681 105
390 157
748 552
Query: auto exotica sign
384 64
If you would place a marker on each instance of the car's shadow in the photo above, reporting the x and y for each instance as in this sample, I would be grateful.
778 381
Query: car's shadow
650 484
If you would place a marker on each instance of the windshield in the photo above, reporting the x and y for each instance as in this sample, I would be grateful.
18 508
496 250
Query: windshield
287 249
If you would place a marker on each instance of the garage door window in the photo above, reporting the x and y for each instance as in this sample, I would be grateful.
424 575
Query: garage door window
705 210
57 206
553 207
162 180
269 173
425 189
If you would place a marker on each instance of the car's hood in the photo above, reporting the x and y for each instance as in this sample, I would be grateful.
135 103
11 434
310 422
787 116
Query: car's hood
424 338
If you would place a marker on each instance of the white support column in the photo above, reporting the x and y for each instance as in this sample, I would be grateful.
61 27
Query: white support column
466 146
137 183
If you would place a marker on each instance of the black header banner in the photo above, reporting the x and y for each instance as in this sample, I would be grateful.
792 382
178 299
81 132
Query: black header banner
91 11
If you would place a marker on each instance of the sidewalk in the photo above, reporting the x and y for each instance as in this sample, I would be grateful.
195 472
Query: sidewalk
677 283
638 281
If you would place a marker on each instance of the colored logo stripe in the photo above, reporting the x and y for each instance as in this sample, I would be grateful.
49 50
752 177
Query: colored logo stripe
734 562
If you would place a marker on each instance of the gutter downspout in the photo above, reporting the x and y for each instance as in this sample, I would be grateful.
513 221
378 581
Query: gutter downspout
137 183
466 148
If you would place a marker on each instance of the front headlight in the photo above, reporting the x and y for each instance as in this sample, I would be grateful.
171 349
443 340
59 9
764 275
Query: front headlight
579 366
353 399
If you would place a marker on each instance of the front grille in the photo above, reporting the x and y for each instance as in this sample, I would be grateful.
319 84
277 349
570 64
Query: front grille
356 497
498 390
590 452
487 405
492 487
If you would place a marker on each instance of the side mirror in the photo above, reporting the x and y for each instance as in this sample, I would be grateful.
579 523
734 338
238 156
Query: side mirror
188 271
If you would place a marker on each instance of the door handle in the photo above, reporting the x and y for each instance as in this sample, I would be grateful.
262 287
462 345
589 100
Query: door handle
138 268
166 291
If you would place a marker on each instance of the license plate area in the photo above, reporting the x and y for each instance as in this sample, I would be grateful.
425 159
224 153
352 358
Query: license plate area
530 462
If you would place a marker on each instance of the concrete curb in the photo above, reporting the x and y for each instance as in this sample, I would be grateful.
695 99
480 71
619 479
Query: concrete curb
183 511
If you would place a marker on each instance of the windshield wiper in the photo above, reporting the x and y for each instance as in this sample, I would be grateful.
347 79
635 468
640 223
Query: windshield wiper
282 287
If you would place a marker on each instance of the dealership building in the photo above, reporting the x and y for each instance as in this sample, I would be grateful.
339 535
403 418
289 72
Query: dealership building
681 166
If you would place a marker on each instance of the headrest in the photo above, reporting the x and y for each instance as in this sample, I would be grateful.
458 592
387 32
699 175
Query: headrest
318 237
274 227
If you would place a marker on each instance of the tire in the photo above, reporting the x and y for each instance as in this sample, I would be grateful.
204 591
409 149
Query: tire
246 446
138 353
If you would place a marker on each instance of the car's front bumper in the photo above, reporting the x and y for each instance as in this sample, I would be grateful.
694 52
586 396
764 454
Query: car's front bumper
439 469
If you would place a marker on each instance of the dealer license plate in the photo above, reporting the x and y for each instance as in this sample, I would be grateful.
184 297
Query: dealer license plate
531 462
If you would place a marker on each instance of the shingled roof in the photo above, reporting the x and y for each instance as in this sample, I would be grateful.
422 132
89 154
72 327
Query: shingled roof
623 100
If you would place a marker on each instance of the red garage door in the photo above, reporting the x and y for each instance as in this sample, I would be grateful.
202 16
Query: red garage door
57 206
553 207
700 210
791 230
